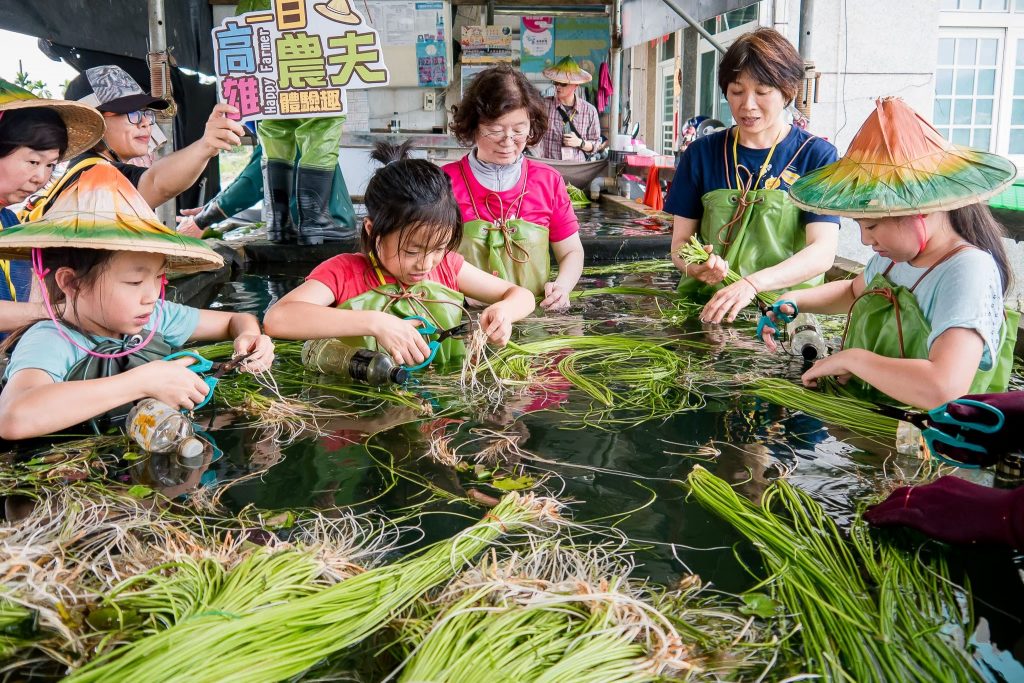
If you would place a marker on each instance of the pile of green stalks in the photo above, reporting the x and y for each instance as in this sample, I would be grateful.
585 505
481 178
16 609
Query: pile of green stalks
577 197
282 640
865 612
554 613
627 380
693 253
851 413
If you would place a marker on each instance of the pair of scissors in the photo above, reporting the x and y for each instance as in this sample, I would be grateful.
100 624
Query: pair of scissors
428 328
928 422
776 309
203 365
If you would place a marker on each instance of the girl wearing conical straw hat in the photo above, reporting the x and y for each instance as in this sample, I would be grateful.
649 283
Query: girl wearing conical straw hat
926 321
101 255
35 134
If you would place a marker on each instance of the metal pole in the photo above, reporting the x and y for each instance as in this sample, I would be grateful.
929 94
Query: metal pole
674 6
616 101
806 20
158 43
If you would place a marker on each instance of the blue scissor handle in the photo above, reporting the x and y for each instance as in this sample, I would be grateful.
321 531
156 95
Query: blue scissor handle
941 415
199 367
785 317
764 322
426 329
933 436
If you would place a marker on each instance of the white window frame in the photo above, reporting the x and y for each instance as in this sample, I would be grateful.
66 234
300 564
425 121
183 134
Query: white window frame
725 39
666 126
1000 129
1009 28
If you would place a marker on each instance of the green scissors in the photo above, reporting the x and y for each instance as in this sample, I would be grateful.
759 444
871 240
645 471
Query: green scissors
926 421
203 365
428 328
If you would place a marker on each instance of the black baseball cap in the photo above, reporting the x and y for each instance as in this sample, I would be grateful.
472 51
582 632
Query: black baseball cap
110 88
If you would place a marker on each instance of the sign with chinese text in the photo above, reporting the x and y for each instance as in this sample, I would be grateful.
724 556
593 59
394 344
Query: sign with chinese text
486 44
297 59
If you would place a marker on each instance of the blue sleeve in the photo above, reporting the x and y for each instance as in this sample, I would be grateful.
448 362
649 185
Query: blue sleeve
178 322
42 348
969 294
687 190
875 265
820 153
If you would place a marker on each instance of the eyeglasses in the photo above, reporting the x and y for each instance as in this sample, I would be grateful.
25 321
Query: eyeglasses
499 135
135 117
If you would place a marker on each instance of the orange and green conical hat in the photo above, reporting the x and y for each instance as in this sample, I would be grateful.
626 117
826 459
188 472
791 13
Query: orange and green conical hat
103 210
899 165
567 71
84 123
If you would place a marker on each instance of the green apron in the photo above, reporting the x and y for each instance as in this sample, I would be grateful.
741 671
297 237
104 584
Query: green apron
507 246
752 229
890 322
437 303
94 367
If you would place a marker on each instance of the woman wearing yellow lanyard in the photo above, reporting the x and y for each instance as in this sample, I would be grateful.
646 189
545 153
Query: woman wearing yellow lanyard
34 135
730 187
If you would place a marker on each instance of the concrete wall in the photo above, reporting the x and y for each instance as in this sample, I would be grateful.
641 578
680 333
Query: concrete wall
866 49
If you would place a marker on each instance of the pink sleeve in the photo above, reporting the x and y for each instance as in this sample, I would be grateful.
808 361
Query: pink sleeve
340 274
563 219
449 268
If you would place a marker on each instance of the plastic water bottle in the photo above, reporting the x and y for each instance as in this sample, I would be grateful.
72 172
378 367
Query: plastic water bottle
158 428
335 357
805 338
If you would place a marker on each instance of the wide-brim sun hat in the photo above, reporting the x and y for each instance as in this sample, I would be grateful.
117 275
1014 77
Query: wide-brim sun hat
84 124
899 165
103 210
567 71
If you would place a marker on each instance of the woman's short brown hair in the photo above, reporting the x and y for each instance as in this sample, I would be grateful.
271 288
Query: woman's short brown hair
493 93
768 58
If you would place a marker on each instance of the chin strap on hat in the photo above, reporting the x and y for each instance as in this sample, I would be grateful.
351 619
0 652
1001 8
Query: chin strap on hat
40 272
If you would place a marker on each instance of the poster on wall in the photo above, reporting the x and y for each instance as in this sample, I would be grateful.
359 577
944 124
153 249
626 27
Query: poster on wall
585 39
431 60
406 23
537 44
486 44
296 60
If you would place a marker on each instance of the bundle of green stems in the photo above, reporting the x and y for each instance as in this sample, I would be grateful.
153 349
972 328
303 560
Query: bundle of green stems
865 612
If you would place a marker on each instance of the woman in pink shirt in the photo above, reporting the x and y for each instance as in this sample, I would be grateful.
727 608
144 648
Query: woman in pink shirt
513 206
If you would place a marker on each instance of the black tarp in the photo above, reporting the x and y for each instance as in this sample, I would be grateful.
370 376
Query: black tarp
87 33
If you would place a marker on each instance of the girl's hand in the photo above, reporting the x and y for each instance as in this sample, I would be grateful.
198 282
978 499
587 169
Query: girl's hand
400 339
711 271
171 382
768 332
260 346
556 298
836 365
496 324
728 302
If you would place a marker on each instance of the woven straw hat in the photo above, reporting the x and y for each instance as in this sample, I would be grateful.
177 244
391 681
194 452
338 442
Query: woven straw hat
899 165
567 71
85 124
103 210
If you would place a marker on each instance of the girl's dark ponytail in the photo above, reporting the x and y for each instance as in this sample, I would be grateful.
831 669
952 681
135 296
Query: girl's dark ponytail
976 224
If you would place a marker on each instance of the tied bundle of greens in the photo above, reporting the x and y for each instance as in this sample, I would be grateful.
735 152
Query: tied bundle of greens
693 253
577 196
283 640
865 613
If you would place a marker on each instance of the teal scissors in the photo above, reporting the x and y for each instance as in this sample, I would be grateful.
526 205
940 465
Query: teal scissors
927 421
776 308
428 328
203 365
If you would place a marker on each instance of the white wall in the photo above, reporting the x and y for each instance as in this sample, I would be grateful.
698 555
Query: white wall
866 49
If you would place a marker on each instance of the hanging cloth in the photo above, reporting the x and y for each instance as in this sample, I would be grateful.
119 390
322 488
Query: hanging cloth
605 88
